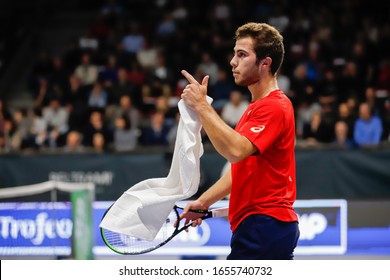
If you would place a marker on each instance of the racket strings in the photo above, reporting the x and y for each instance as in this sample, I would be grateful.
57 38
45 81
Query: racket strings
126 244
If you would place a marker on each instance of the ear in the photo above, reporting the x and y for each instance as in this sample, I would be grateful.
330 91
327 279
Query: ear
266 61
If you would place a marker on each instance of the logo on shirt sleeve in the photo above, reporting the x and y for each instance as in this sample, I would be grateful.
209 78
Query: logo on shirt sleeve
257 129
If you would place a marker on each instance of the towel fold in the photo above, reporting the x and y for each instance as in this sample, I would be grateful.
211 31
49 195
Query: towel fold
142 210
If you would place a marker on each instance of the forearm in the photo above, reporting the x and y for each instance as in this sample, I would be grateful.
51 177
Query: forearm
228 142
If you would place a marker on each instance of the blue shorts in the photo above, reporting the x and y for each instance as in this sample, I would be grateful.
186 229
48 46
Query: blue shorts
261 237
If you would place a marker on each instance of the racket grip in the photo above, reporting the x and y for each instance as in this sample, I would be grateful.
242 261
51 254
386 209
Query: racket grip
220 212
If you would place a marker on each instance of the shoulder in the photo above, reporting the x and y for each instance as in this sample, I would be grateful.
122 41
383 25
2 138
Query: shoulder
273 104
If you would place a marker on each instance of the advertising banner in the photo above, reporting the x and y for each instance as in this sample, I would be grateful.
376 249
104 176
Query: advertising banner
327 227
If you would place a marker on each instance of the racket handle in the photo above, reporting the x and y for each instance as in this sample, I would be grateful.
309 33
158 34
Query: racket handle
220 212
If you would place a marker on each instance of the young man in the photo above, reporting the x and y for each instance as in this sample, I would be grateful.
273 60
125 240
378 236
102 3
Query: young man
261 182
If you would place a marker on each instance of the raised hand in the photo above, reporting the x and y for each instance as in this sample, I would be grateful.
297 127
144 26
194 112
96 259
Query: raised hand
194 93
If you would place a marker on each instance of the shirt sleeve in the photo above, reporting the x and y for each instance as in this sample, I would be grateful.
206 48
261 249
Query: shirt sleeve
264 125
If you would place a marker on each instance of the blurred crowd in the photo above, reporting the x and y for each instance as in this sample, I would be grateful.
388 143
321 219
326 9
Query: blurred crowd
116 88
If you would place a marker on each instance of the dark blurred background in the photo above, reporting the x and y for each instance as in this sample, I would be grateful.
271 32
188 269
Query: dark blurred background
105 75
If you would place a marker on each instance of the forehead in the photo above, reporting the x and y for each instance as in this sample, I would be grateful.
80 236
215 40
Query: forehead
245 44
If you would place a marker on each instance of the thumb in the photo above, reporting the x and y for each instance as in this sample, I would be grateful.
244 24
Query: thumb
205 80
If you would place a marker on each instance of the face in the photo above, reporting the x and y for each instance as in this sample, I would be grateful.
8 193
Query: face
245 69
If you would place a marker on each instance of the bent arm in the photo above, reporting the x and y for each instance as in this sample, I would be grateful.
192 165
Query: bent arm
228 142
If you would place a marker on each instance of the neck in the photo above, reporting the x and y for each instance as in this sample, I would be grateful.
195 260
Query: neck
262 89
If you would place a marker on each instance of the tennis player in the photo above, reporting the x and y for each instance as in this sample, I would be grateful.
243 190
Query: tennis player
261 181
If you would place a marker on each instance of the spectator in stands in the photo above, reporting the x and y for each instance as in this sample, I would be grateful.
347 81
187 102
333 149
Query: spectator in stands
98 143
56 117
75 100
73 143
349 83
147 56
368 128
318 131
108 74
122 86
166 27
208 66
96 124
234 109
133 41
155 134
37 132
125 109
327 92
125 137
344 115
11 141
22 125
86 71
341 139
302 92
162 105
44 94
98 97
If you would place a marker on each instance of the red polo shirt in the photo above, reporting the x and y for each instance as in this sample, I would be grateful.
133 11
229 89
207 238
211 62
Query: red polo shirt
264 183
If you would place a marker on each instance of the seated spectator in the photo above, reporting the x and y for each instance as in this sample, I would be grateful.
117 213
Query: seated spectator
156 132
368 128
56 117
10 138
163 105
73 143
344 115
96 124
317 131
75 100
234 109
125 138
37 132
109 73
98 143
22 126
123 86
98 97
86 71
341 136
125 108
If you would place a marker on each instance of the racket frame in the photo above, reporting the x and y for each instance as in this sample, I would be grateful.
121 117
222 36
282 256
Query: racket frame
206 215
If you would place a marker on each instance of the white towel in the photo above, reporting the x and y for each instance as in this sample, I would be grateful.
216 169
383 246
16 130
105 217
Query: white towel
142 209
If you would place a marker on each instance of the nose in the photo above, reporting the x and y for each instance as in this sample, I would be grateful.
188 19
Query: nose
233 62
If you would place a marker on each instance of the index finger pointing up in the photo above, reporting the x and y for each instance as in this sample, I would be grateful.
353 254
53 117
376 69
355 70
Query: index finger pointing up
189 77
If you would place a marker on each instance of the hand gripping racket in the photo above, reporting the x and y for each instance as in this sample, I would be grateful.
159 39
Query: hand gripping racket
129 245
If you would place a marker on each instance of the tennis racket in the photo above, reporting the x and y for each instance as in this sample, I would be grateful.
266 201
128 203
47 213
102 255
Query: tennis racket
129 245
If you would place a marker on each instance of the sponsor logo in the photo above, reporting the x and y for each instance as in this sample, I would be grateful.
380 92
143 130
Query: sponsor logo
36 230
257 129
311 225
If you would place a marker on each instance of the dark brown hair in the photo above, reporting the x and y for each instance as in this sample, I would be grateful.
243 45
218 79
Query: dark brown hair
268 42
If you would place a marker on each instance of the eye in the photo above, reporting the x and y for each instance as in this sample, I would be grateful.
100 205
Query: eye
241 54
